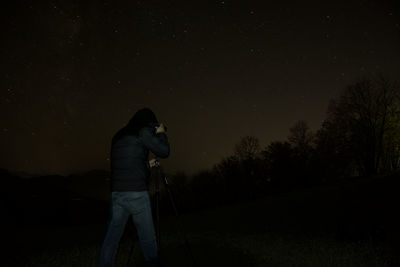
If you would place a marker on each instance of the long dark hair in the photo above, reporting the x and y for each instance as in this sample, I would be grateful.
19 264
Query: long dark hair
144 117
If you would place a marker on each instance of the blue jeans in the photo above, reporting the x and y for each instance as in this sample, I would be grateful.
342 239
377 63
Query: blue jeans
124 204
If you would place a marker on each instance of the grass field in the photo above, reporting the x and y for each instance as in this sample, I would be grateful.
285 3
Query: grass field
320 226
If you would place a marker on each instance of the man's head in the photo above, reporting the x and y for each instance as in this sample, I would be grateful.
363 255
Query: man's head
143 117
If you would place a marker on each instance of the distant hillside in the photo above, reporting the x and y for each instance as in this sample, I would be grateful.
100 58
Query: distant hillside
94 184
54 199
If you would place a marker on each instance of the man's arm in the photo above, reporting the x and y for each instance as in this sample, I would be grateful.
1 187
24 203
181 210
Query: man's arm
156 142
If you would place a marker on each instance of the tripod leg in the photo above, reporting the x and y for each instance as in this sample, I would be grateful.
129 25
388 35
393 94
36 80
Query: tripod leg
165 180
170 196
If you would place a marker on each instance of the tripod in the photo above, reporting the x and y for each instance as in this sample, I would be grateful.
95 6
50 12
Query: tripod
159 174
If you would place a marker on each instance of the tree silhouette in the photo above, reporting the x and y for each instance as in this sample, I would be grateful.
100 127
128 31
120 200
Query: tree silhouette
301 136
301 139
227 171
279 161
247 148
362 125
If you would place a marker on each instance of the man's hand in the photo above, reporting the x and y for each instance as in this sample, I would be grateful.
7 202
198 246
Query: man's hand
152 163
160 129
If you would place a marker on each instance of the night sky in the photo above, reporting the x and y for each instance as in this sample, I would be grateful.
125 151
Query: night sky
74 72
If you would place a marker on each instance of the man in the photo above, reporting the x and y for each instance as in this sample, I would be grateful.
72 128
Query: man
129 184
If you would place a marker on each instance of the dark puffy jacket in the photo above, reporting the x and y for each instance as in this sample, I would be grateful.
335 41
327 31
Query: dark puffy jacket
129 159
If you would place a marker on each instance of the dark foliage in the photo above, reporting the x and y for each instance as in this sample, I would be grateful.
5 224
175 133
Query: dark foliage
359 137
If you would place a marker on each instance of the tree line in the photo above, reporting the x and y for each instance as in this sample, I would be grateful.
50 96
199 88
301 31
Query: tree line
360 136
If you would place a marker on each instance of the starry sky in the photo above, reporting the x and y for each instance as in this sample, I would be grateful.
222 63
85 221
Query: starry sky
74 72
